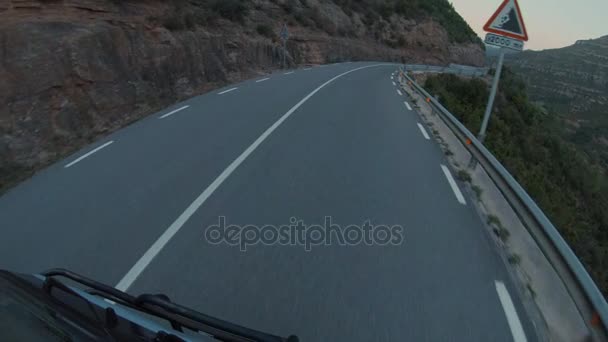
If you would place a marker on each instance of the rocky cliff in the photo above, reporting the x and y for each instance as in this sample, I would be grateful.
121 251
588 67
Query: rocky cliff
72 70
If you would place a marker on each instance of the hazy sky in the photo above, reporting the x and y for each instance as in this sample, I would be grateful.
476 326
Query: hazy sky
550 23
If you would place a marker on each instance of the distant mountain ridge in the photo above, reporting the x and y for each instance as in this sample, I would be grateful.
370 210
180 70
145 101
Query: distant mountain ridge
572 82
559 77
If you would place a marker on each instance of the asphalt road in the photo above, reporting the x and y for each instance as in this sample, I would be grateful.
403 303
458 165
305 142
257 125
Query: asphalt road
336 141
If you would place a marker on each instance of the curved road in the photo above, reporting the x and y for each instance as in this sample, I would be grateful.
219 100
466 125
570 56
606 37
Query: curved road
338 141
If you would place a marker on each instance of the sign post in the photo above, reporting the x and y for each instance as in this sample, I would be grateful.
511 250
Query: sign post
486 116
284 36
507 31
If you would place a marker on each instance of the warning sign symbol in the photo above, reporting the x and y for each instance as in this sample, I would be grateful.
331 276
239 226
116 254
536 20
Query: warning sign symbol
508 21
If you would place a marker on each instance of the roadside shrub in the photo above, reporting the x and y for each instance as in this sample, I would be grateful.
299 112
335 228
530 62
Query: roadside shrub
493 219
514 259
502 233
464 176
478 191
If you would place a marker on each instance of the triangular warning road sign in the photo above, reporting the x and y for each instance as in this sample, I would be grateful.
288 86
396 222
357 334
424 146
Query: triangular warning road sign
508 21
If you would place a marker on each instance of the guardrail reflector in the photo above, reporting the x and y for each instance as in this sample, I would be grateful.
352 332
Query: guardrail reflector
595 319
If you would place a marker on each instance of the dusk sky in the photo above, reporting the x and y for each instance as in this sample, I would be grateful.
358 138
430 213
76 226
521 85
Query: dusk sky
550 23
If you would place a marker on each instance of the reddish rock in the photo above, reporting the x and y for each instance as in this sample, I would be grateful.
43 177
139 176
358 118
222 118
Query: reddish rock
72 70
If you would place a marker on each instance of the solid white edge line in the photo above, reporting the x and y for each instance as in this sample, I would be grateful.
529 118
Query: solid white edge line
399 92
512 318
227 91
289 73
173 112
453 184
89 153
160 243
262 80
407 105
423 131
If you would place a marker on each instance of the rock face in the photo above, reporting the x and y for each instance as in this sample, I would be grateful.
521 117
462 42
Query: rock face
72 70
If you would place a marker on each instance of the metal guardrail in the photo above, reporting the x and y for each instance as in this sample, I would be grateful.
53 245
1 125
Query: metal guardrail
451 69
588 299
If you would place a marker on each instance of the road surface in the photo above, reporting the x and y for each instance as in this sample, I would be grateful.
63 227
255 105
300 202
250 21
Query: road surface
338 140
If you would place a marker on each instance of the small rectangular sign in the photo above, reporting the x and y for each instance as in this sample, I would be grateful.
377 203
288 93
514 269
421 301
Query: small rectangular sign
504 42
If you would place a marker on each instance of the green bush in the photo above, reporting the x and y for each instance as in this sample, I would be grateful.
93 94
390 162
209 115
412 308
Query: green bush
265 30
304 20
405 7
502 233
189 21
174 22
514 259
440 10
569 185
374 14
289 6
478 191
391 43
493 220
385 9
464 176
401 41
234 10
321 21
